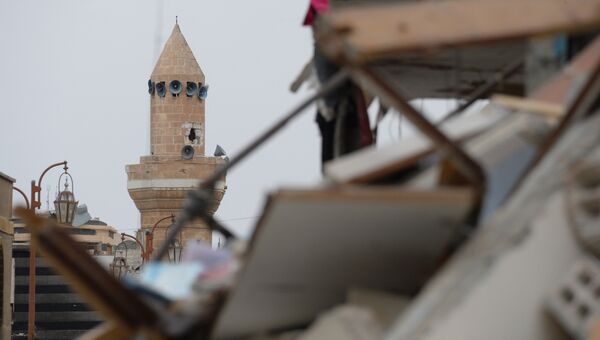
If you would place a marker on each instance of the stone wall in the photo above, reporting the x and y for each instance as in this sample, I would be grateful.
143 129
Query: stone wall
6 195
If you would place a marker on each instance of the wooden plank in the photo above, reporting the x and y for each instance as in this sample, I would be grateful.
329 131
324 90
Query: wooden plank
449 73
108 331
85 275
360 34
375 163
595 331
311 246
469 274
542 108
507 150
561 88
454 73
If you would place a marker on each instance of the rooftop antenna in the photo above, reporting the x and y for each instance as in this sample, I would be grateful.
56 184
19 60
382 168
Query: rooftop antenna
175 20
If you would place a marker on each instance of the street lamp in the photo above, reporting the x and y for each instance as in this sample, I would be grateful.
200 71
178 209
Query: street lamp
24 196
143 252
175 247
150 235
36 203
65 203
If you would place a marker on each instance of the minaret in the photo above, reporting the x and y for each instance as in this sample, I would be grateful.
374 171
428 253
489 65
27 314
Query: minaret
159 184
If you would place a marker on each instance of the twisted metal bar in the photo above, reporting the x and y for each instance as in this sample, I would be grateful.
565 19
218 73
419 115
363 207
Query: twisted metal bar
198 201
487 87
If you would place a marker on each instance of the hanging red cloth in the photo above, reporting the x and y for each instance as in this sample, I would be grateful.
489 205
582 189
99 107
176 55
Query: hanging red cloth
366 135
315 7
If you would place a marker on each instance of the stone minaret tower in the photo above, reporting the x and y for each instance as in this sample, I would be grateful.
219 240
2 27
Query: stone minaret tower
159 184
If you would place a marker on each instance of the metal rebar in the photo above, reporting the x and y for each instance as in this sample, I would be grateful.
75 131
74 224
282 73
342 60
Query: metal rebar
486 88
199 201
35 204
459 158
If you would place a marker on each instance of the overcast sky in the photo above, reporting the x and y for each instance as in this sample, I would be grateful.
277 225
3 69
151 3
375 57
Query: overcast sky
73 87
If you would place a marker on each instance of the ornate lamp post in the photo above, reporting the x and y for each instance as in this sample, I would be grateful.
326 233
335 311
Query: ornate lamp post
150 235
36 203
143 255
65 203
175 247
24 196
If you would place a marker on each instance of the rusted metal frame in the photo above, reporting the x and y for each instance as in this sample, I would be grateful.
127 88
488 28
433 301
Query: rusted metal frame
24 196
472 171
104 292
486 88
35 204
199 200
586 97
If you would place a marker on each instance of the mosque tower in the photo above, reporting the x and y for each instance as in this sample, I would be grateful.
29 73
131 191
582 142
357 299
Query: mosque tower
160 182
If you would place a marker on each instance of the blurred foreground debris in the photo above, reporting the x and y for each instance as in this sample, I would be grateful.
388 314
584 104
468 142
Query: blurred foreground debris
461 232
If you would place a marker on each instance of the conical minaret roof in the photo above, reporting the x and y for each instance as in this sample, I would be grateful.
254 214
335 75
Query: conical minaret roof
177 58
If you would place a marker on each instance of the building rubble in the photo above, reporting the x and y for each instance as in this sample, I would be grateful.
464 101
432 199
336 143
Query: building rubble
483 226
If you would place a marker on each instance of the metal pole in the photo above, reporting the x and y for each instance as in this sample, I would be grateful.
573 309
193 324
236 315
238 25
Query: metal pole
24 196
31 281
198 201
35 204
123 235
150 236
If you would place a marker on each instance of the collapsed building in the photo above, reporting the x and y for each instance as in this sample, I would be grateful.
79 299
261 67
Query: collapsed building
484 225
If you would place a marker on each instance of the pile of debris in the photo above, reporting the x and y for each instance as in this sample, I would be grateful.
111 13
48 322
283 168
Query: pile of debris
467 230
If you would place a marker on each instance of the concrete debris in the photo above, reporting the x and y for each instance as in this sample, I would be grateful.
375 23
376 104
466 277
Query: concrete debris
575 303
386 307
346 322
456 233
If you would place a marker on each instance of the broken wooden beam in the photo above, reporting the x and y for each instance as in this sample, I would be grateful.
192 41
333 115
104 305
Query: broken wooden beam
363 33
535 106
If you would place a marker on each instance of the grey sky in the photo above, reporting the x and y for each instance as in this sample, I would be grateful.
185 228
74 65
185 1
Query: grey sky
73 88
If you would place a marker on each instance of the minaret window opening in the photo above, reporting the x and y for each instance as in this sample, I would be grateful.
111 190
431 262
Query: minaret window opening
192 133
